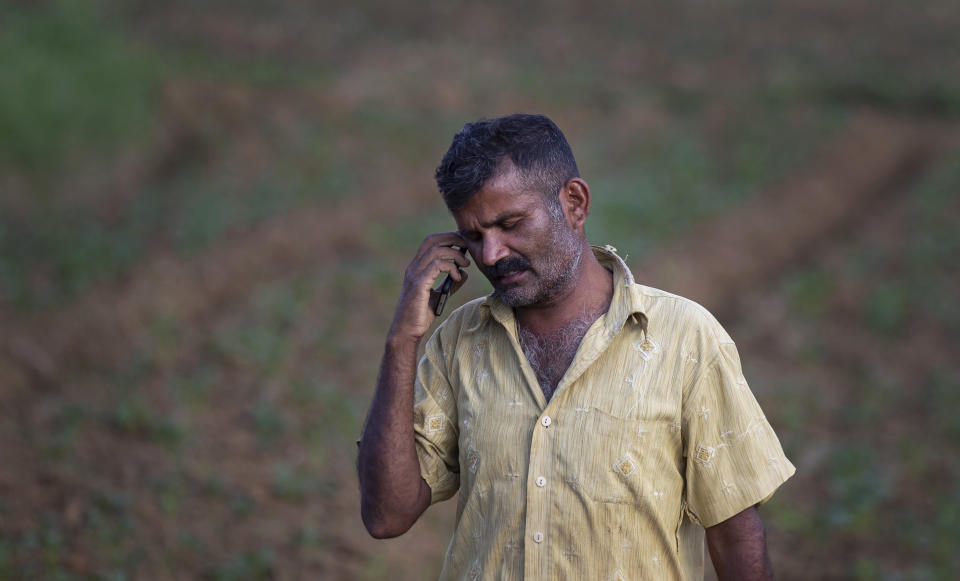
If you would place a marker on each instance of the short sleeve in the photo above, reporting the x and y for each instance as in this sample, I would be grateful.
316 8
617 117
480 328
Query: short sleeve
435 424
733 457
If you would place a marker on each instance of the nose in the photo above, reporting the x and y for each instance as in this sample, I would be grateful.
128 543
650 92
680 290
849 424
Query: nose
493 250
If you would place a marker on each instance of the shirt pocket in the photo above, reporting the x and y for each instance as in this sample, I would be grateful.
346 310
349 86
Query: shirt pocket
609 460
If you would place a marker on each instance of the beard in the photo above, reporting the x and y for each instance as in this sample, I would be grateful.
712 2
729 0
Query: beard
554 271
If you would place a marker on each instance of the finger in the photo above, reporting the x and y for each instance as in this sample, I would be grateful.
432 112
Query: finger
442 260
442 239
459 283
449 268
457 257
427 277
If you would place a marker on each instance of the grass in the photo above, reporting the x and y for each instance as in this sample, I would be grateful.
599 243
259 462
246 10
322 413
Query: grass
809 293
56 251
638 208
654 187
885 310
934 243
250 565
926 96
71 85
58 254
75 90
133 416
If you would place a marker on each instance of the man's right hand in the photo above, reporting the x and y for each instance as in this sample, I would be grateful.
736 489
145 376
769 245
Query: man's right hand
393 494
436 256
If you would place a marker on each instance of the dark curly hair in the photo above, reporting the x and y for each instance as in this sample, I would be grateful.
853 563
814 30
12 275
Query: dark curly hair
534 144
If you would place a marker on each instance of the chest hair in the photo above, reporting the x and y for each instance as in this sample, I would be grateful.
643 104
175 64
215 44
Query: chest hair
550 354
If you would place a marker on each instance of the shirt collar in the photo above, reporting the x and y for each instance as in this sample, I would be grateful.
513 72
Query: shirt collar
625 304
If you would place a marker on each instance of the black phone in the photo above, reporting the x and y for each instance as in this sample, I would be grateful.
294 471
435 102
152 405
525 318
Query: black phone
440 294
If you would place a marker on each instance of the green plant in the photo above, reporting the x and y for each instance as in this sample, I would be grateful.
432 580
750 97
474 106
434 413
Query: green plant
72 81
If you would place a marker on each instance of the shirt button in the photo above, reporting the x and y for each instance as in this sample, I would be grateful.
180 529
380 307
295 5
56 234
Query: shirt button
541 481
546 421
538 537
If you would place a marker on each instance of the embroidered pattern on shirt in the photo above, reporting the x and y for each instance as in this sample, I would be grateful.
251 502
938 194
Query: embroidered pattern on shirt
618 576
625 466
638 386
480 372
473 459
435 423
705 454
646 348
475 571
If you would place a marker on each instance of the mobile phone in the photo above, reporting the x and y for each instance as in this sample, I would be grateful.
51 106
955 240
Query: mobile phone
440 294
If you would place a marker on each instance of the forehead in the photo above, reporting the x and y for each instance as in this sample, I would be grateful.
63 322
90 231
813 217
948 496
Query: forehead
505 193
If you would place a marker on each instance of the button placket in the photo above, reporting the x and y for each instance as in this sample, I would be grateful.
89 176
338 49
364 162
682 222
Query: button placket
537 516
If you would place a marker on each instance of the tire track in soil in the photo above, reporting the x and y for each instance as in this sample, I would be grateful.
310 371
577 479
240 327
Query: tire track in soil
874 158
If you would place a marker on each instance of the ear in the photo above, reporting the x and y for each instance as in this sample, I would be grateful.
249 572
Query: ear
575 200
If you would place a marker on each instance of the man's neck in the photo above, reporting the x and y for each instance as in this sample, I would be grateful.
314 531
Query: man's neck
590 292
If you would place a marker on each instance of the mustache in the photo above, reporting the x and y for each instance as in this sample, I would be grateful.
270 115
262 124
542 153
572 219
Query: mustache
506 266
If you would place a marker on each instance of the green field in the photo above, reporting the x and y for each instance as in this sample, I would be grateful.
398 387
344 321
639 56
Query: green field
206 208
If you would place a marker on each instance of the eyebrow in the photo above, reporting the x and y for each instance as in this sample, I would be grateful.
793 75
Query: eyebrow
498 220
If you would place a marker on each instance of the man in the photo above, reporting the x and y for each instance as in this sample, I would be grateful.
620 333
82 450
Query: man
592 425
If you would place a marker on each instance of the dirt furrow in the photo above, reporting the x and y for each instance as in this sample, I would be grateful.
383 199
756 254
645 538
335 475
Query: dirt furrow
102 326
874 157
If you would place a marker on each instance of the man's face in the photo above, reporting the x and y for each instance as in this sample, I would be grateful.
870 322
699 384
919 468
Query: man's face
526 249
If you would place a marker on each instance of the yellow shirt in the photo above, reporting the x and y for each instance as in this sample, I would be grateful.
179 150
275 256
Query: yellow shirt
651 433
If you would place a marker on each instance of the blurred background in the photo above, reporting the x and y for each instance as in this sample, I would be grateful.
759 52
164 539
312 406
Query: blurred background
206 208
